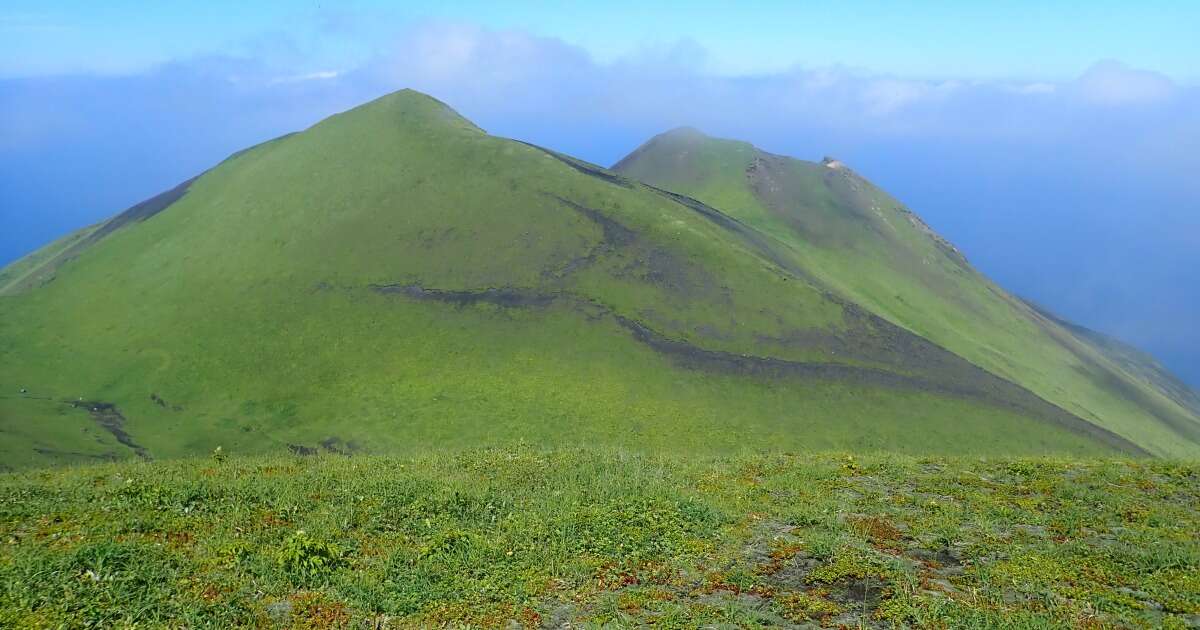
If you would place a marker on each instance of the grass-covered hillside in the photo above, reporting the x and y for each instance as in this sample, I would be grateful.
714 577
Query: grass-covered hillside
394 278
521 537
861 243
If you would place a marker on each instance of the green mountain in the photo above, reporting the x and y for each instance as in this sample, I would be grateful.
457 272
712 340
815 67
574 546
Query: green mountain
394 279
867 247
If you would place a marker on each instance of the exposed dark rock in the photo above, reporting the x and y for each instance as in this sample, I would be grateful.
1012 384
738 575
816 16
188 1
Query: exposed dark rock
926 367
110 419
584 167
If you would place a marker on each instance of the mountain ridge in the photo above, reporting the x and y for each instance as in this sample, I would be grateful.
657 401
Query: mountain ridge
841 224
393 276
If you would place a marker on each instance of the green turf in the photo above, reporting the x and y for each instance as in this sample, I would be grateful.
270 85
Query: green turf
861 243
524 537
25 270
249 314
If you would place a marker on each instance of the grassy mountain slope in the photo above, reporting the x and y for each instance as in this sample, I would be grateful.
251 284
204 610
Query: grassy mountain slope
393 278
855 239
499 538
29 270
1133 361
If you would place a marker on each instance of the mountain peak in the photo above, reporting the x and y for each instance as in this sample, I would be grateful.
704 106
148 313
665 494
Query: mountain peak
414 107
684 132
678 138
408 97
678 142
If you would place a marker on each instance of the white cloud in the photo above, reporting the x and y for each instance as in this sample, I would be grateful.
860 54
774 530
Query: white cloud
885 96
1112 83
321 75
515 71
1033 88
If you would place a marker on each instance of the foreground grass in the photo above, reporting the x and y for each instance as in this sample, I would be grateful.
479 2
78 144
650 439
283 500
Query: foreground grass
519 536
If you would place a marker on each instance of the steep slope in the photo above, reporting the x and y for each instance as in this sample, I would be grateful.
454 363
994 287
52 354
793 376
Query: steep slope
864 245
1134 361
38 266
394 278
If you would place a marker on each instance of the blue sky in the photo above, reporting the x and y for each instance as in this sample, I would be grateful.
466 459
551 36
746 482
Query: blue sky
1012 39
1057 143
